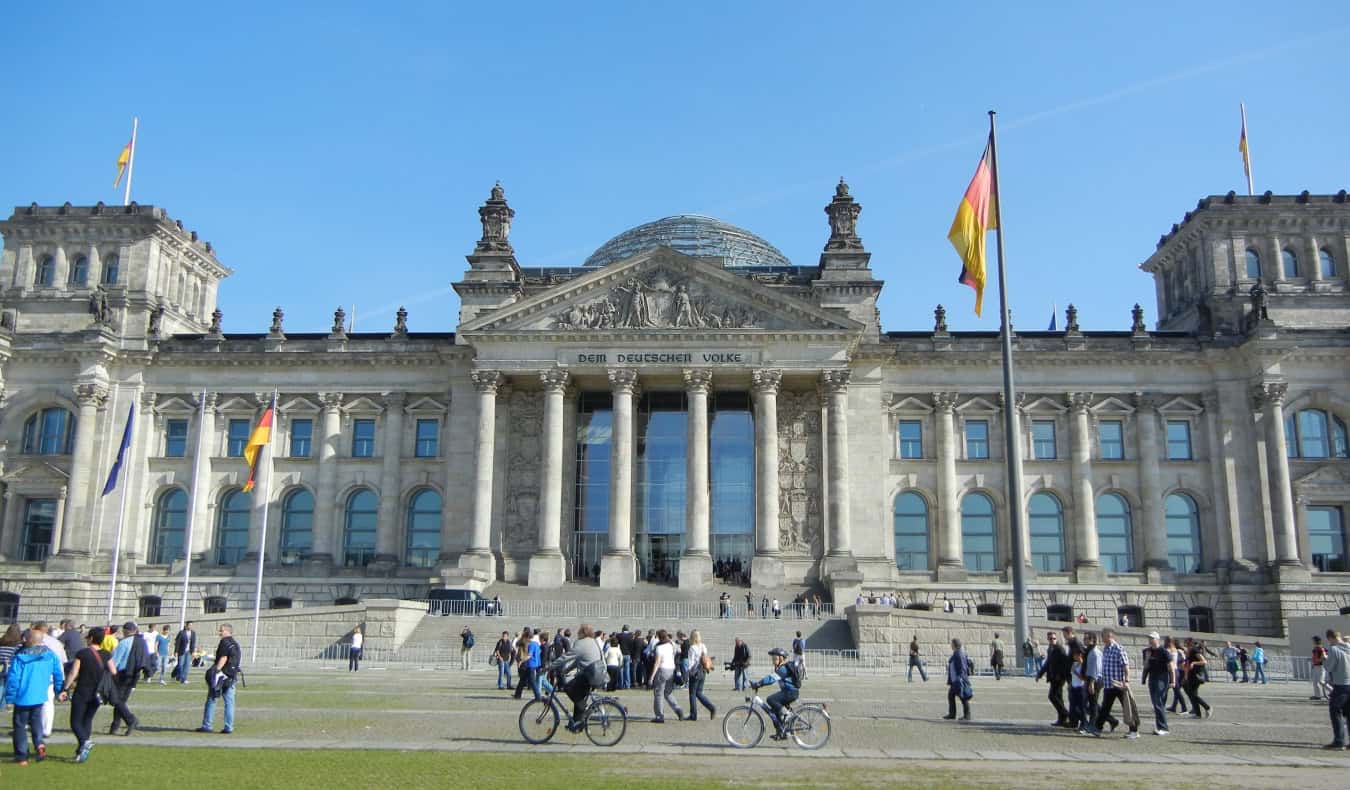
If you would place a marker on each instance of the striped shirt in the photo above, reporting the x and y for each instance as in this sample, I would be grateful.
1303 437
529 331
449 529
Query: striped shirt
1114 664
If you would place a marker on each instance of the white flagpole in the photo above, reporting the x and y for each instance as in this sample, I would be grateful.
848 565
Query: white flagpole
262 542
121 520
131 161
192 509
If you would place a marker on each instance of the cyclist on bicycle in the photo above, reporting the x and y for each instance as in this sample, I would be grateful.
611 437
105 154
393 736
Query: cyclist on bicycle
584 656
789 680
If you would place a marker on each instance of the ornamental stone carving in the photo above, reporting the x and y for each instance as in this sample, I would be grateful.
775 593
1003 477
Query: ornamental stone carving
520 519
623 379
486 380
843 212
1079 401
766 381
496 217
330 401
835 381
697 380
945 401
1270 393
91 394
660 299
554 380
800 518
401 323
278 316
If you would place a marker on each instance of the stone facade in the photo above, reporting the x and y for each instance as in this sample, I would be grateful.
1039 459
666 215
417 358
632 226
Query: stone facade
407 461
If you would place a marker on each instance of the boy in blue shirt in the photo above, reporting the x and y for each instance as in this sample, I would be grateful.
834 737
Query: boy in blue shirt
789 684
35 670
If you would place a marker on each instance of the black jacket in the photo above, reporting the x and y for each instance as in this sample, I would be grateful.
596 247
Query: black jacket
741 658
185 642
1058 664
626 643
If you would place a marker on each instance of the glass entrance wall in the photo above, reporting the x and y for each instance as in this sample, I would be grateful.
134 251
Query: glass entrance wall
590 535
662 457
731 461
39 519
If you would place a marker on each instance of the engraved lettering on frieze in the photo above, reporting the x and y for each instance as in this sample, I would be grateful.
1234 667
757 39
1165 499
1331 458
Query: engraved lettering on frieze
520 519
799 452
660 299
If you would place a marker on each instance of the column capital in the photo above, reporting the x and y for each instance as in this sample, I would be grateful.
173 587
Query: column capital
623 380
835 381
486 381
330 401
554 380
1269 394
148 400
945 401
1079 402
393 401
210 398
1147 401
91 394
697 380
1210 401
766 381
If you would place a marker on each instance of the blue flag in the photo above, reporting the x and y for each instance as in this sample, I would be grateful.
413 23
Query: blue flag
1054 318
121 453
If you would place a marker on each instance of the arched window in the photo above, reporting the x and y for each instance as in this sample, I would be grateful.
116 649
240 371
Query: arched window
214 604
1325 263
1047 532
424 529
150 605
297 526
1253 264
49 432
79 272
1115 543
111 264
911 532
166 542
279 603
989 609
9 607
46 271
358 542
979 545
39 520
232 527
1200 618
1326 537
1289 263
1183 534
1313 433
1059 613
1130 616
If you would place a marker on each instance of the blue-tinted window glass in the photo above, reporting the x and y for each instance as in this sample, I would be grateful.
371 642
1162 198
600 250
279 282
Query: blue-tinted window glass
49 432
1326 538
1312 434
175 438
1178 440
424 529
1111 438
363 438
979 545
1253 264
302 438
1183 534
358 543
1114 534
39 519
166 542
232 527
662 457
297 526
1326 264
1289 262
111 266
911 532
1043 439
1047 532
977 439
428 432
46 271
594 427
911 439
79 271
237 438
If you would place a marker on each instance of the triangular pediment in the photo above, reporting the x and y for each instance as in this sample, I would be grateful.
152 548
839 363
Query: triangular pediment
978 405
1329 476
36 472
1180 406
908 404
175 404
1112 407
659 291
362 405
425 405
1045 405
299 405
236 403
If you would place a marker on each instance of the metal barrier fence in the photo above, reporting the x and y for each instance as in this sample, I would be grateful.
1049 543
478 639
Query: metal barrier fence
637 611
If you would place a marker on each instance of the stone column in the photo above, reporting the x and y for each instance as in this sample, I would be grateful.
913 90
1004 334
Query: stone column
766 570
834 385
1151 521
1087 558
138 515
546 564
1314 260
77 534
388 529
478 558
1226 510
1269 397
11 517
951 565
618 566
327 530
696 564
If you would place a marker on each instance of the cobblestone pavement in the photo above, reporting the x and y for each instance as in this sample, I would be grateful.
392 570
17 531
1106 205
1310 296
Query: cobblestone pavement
874 717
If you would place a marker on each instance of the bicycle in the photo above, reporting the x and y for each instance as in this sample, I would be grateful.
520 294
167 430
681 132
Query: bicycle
604 719
808 725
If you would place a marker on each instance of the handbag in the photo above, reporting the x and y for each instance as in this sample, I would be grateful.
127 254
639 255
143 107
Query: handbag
706 662
967 691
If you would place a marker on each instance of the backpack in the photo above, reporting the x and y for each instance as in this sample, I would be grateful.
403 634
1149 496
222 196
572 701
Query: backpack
798 646
798 672
468 640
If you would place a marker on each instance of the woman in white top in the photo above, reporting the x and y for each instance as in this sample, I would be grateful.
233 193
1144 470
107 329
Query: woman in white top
662 678
613 662
354 655
697 674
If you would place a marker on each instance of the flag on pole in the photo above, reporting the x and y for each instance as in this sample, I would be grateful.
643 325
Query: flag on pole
256 442
974 219
121 453
1246 153
122 160
1054 318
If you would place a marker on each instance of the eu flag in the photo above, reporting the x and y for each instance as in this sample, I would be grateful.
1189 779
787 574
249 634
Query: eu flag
121 453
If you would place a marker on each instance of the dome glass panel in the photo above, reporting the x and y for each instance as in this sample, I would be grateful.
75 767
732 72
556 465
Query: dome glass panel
695 235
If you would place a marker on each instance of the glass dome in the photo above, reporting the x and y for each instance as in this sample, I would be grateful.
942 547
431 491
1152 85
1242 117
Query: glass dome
691 234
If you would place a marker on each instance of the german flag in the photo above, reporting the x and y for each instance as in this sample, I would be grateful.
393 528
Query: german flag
122 160
974 219
259 439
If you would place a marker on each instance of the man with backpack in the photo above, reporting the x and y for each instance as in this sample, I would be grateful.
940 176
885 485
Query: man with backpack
465 648
789 676
585 657
799 649
131 659
220 680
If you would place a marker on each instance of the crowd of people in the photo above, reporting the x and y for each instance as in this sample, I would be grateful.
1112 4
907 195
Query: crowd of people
91 667
801 606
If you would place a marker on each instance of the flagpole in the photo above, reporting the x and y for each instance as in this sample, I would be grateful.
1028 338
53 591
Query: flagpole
262 543
1247 154
192 510
121 518
131 161
1012 442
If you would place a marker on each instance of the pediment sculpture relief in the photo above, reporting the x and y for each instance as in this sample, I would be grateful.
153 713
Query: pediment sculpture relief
660 299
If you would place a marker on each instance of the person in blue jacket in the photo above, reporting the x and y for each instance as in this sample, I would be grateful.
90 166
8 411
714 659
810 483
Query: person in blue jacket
958 682
789 685
35 670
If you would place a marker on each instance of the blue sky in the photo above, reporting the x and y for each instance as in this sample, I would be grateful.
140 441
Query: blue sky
336 153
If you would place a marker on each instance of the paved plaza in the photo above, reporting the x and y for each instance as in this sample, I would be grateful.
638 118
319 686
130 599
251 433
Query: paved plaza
878 717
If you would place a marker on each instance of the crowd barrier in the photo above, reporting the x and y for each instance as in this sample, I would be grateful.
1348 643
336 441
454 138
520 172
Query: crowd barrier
545 610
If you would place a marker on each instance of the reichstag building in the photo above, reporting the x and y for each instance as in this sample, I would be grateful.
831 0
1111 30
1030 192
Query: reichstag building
687 407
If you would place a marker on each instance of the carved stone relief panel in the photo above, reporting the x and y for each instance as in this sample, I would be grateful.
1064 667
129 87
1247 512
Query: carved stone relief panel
661 299
799 478
520 518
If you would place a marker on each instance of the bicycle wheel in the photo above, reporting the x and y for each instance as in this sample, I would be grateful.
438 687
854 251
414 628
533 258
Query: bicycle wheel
538 721
810 728
606 722
743 727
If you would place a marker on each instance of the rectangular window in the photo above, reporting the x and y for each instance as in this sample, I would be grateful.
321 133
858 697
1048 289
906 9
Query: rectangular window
1043 439
1111 439
911 439
302 438
428 431
1178 440
175 438
237 439
363 438
977 439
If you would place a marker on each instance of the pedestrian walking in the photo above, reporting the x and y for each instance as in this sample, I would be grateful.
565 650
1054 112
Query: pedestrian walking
184 646
1319 670
1259 663
10 643
614 664
34 672
749 604
354 653
86 672
916 661
740 664
799 649
1030 666
777 610
162 645
129 658
996 657
53 644
700 664
1338 675
764 607
466 642
1158 675
1078 693
72 641
1092 675
1230 660
502 655
662 679
1178 675
1245 661
1197 673
958 682
1116 684
220 680
1056 673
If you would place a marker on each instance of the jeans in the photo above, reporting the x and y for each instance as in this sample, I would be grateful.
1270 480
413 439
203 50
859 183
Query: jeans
1192 688
739 680
122 710
1340 708
1056 697
1260 672
163 665
696 696
1078 706
626 673
1029 666
916 663
776 701
1157 694
82 712
1232 668
465 657
1104 715
529 676
503 674
27 718
354 659
1091 705
662 686
180 669
209 714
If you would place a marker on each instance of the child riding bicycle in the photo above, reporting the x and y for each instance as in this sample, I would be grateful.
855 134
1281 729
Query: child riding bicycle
788 675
